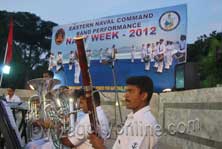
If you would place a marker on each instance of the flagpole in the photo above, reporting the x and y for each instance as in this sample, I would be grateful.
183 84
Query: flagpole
6 51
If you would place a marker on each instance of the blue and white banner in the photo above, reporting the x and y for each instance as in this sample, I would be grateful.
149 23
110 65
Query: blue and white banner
149 42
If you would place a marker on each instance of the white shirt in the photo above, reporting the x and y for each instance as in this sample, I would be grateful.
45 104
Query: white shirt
148 51
162 48
133 50
183 46
79 137
14 98
168 49
138 131
143 51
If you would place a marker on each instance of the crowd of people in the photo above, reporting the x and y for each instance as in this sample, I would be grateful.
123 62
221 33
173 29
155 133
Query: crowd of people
139 90
161 53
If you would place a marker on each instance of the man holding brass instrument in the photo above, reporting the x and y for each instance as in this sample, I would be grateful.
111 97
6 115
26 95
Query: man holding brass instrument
78 138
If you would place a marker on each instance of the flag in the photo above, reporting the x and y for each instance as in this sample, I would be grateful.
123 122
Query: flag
8 51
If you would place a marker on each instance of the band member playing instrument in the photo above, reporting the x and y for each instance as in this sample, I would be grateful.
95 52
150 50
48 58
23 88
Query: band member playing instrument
114 51
147 57
77 68
172 48
59 65
160 55
153 48
155 54
51 61
100 55
78 138
133 53
143 52
111 53
47 123
138 94
180 55
88 56
71 59
12 97
168 56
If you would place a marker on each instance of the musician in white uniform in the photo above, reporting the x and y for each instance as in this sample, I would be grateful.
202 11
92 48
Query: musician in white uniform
183 48
168 55
39 143
51 61
88 56
71 59
100 55
147 57
155 53
78 138
161 51
12 97
59 65
133 53
138 131
143 52
77 68
114 51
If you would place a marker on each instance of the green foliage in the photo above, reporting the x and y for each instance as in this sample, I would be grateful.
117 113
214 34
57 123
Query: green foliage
203 51
31 38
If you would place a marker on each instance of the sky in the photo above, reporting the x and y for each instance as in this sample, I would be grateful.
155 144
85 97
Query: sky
204 16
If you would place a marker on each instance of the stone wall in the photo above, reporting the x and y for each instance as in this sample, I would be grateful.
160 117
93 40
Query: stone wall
192 118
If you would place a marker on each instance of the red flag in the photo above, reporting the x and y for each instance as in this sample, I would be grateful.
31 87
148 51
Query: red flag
8 54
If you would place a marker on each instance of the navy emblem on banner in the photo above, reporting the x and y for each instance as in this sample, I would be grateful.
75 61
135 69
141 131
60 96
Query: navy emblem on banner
169 20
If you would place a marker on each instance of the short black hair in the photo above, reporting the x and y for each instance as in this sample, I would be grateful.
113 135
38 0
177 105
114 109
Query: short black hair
50 73
144 83
96 95
12 87
63 87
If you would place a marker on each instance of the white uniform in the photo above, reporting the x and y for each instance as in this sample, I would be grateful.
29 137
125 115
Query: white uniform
143 53
100 55
88 56
138 131
148 53
77 71
133 53
51 61
71 60
155 53
110 53
168 56
161 50
183 46
79 137
180 55
14 98
59 64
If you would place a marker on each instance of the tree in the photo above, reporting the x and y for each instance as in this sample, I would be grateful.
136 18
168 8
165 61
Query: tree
32 38
203 51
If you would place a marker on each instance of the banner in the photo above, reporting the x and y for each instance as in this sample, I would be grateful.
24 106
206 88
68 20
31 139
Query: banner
149 42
